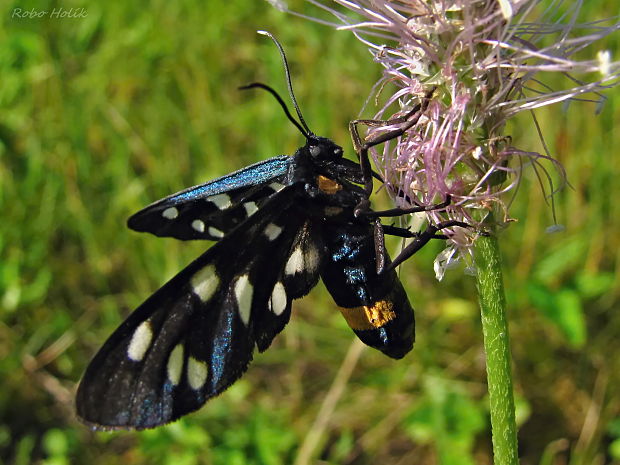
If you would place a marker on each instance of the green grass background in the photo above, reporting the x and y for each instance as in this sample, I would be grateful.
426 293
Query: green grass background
101 115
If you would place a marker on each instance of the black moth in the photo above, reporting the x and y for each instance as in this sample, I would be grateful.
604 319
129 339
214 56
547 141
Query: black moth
281 225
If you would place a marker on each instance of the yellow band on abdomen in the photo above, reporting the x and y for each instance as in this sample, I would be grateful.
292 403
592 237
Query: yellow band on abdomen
369 317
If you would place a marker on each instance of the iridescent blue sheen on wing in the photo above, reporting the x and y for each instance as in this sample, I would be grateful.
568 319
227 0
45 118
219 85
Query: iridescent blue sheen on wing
222 343
211 210
252 175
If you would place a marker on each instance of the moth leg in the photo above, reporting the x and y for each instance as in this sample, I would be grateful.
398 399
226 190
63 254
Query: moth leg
379 229
362 146
379 232
380 252
402 211
407 233
422 238
397 231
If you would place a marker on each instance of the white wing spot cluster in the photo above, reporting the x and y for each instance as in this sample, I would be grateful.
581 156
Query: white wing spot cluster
175 364
221 201
278 299
272 231
170 213
140 341
205 282
197 372
243 294
198 225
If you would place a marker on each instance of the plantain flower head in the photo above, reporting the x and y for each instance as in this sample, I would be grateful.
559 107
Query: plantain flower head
482 62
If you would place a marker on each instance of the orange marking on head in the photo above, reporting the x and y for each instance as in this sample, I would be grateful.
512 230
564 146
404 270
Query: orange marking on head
329 186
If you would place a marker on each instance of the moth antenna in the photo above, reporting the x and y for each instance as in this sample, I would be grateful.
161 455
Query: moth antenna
269 89
289 84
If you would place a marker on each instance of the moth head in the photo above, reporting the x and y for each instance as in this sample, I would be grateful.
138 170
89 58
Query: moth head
322 148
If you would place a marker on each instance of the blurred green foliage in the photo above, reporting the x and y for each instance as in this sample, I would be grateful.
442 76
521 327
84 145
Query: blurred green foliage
103 114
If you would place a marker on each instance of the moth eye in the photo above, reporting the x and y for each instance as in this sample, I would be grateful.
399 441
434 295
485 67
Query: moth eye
315 150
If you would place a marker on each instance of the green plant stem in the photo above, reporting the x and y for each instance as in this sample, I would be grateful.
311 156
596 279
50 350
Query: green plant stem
497 349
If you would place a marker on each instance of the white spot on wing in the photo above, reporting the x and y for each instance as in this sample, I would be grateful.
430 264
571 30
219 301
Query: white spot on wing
175 364
295 263
302 261
221 201
140 341
198 225
272 231
170 213
278 299
204 282
276 186
213 231
250 208
243 294
311 259
197 372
